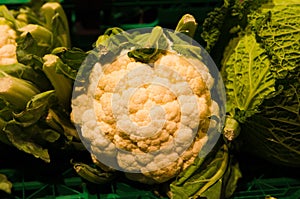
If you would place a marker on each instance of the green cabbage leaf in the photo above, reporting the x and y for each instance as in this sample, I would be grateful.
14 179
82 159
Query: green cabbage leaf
260 68
248 78
276 130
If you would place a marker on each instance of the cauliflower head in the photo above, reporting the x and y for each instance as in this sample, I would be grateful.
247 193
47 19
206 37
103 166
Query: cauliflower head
148 120
8 43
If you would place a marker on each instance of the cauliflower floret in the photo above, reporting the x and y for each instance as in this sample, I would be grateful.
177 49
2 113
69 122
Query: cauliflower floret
172 110
138 99
160 94
8 35
8 45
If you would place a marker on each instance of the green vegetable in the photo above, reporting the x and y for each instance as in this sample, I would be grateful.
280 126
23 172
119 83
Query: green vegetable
22 139
62 85
16 91
277 27
35 108
151 50
103 39
61 123
223 24
56 21
279 120
3 137
275 131
7 15
230 178
5 184
42 35
208 177
36 85
26 72
248 78
25 129
72 59
91 174
260 68
187 25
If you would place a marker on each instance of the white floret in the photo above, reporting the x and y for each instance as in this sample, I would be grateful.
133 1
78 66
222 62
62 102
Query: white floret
109 152
8 35
144 159
181 88
8 54
128 162
88 115
139 76
101 142
184 136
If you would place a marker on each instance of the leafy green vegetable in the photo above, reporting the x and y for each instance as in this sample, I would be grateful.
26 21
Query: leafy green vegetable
260 68
29 53
280 37
3 137
16 91
107 35
5 184
72 58
26 72
25 129
205 177
61 83
56 21
61 123
248 78
231 178
5 13
35 109
187 25
20 138
40 34
35 92
276 130
223 24
152 49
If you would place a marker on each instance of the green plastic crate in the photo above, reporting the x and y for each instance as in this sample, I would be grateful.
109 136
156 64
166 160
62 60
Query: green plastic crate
73 187
280 188
17 1
67 188
70 186
14 1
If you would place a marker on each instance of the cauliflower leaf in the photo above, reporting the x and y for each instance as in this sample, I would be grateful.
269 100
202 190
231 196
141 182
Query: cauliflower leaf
22 140
202 179
5 184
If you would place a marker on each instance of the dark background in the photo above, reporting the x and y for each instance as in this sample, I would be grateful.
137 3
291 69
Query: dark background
90 18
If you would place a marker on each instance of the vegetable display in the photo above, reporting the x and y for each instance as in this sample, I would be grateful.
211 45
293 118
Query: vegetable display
260 68
35 95
151 106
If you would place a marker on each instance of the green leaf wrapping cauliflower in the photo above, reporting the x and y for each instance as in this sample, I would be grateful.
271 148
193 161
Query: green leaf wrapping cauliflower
148 110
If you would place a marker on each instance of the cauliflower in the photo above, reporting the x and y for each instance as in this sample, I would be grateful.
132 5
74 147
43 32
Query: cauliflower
8 43
148 120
